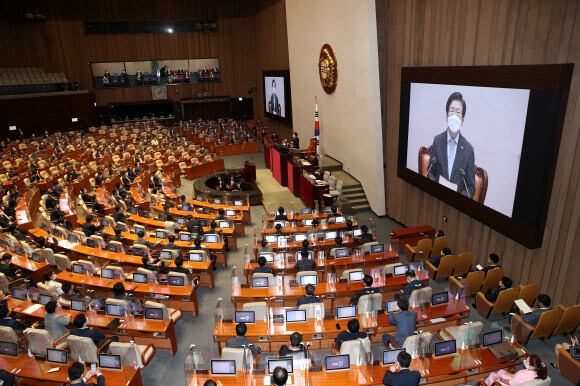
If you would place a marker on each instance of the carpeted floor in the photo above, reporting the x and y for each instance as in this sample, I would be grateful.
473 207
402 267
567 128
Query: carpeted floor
165 370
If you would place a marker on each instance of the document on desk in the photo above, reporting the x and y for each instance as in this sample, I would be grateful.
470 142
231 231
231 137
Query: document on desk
447 184
523 306
32 308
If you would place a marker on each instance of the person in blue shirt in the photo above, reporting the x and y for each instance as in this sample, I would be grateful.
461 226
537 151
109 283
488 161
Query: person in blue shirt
263 268
412 284
532 318
406 322
82 329
352 333
368 281
309 298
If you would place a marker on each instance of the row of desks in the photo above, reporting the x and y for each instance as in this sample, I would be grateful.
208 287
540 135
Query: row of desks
318 244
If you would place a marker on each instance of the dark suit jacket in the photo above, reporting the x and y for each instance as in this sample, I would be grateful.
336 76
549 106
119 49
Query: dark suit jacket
100 382
296 143
487 269
364 291
240 342
264 270
274 103
305 265
533 317
8 271
347 335
97 336
118 216
89 229
13 324
406 323
7 378
404 377
464 159
307 300
412 286
281 217
492 294
365 238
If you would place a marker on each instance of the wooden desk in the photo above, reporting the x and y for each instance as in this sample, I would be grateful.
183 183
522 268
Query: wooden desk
67 205
184 297
404 236
466 366
317 245
301 217
304 229
338 266
139 198
32 370
102 197
244 209
160 333
26 208
271 336
193 172
333 294
33 268
236 220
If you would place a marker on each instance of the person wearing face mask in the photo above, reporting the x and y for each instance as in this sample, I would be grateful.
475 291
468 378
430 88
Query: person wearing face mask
273 105
452 156
534 369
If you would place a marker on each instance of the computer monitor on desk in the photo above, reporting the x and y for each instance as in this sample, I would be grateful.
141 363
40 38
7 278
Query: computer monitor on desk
330 235
447 347
223 367
245 317
294 316
337 362
346 312
308 279
286 363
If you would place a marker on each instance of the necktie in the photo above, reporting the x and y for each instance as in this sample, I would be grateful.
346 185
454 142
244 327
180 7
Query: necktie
451 156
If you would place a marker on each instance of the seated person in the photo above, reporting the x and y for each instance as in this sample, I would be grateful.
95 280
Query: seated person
54 323
349 226
403 376
119 294
210 382
280 214
119 216
352 333
50 281
5 268
365 236
179 266
263 268
312 230
280 376
171 243
150 265
574 342
98 207
493 263
492 294
333 212
296 346
309 298
368 282
338 242
141 240
7 321
221 215
89 228
439 233
412 284
170 225
306 264
406 322
76 375
436 260
240 340
82 329
532 318
278 232
6 378
534 368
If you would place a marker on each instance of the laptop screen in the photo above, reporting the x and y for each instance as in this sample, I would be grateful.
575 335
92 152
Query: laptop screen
166 255
378 248
211 238
269 256
238 203
400 270
133 210
185 237
259 282
107 273
180 220
54 355
217 201
342 253
115 310
78 305
19 294
295 316
230 212
72 238
9 349
185 208
445 348
390 356
356 276
299 238
491 338
176 281
327 209
105 222
346 312
223 367
281 223
78 268
161 217
391 304
160 234
199 198
224 224
110 361
44 299
145 214
357 232
245 317
153 313
330 235
140 278
286 363
305 211
91 243
271 238
440 298
308 279
195 256
337 362
36 257
339 219
308 222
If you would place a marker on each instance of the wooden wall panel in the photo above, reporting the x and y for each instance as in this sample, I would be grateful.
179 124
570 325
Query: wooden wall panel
251 37
488 32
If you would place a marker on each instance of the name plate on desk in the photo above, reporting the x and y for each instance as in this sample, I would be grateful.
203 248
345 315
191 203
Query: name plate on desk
316 369
291 260
259 371
293 284
205 371
227 321
245 286
369 331
343 280
317 336
254 261
278 299
263 339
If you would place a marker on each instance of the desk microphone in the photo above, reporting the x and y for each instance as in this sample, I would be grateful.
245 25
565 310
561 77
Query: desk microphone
432 161
462 172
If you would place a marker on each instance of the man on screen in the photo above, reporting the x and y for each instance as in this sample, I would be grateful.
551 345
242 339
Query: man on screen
273 105
452 157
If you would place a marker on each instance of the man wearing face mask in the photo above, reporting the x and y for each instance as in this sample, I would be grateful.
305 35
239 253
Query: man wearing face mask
452 156
273 105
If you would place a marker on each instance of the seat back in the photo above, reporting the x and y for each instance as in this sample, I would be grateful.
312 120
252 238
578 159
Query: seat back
49 255
118 302
313 310
390 268
538 382
115 246
473 282
422 250
358 350
160 306
492 279
370 303
438 245
129 352
38 340
260 309
180 274
346 273
548 322
237 355
466 334
446 266
88 265
7 334
82 349
62 262
505 301
366 247
420 297
570 320
99 241
46 290
263 274
304 273
529 293
418 344
463 264
4 284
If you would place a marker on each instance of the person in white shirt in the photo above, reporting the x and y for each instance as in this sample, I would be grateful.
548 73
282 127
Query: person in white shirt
50 281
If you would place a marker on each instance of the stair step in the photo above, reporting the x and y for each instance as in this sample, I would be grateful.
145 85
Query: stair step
352 189
361 208
355 197
358 202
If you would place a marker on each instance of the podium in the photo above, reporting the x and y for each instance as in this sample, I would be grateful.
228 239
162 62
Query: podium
249 171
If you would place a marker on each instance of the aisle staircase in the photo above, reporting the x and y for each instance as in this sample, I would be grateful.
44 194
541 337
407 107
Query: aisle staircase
353 195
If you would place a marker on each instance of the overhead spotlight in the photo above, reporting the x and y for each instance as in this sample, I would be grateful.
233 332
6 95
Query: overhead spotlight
170 30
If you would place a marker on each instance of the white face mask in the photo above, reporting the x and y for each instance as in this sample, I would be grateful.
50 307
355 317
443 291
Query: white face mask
526 364
454 123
